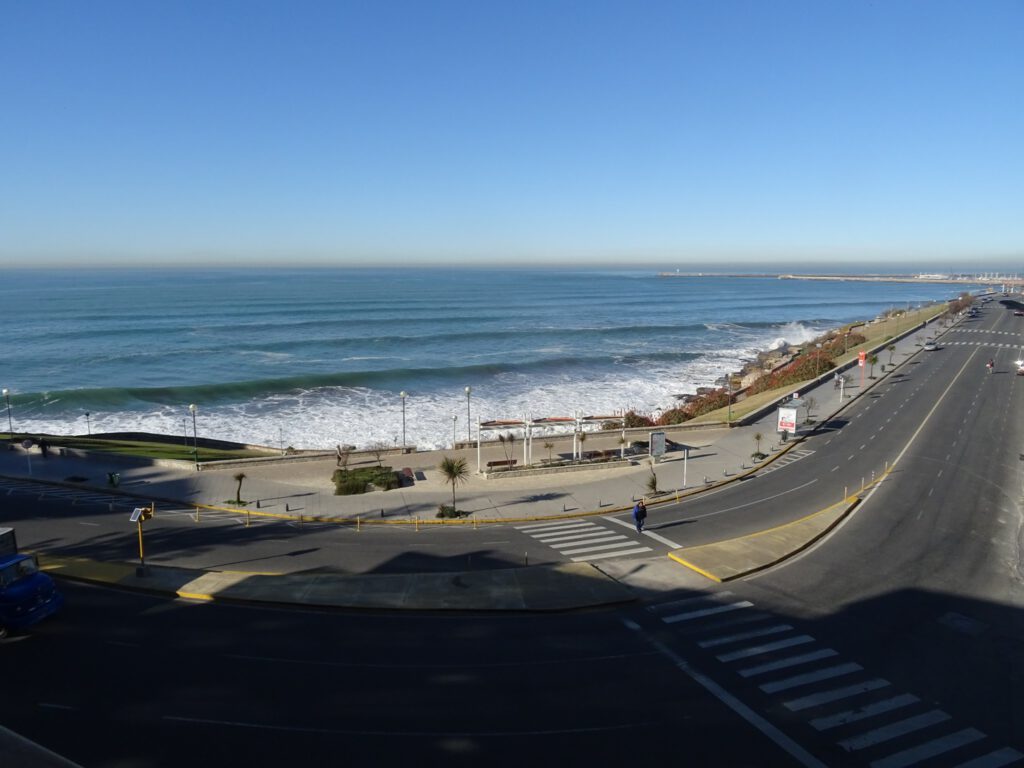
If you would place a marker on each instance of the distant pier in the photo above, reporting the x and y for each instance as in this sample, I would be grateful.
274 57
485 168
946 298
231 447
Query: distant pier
958 279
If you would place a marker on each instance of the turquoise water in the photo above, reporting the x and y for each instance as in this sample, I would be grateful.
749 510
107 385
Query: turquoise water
315 357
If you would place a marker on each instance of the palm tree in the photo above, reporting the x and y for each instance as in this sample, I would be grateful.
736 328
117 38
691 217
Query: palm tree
549 446
508 444
239 477
455 471
872 360
758 437
892 351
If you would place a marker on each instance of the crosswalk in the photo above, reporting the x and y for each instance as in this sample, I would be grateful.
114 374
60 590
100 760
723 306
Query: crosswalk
862 714
583 540
789 458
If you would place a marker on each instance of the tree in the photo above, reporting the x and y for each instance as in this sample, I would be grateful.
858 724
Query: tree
758 437
239 477
378 449
455 471
549 446
872 361
892 351
508 444
582 438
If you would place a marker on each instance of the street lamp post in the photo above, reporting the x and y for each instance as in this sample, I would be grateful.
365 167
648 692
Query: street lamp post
455 418
817 360
10 424
469 437
195 435
88 424
403 394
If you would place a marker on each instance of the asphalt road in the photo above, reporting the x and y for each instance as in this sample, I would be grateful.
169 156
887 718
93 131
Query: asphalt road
129 680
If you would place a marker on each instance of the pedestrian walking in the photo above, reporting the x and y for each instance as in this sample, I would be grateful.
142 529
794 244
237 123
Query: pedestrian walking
639 515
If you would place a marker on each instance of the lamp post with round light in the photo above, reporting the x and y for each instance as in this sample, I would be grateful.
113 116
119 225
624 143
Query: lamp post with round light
10 424
469 437
455 418
403 394
195 434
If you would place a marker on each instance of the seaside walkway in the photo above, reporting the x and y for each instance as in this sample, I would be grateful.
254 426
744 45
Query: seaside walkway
302 491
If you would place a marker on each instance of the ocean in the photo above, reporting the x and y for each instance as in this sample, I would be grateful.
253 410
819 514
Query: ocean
311 358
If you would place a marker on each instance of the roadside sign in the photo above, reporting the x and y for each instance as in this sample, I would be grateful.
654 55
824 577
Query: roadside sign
861 357
787 420
136 514
657 444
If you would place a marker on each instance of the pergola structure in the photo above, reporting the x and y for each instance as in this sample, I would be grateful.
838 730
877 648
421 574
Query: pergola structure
528 424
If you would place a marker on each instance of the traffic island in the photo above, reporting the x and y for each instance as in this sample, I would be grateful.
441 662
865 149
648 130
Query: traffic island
744 555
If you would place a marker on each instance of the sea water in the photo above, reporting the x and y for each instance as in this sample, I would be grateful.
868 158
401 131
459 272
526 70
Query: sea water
312 358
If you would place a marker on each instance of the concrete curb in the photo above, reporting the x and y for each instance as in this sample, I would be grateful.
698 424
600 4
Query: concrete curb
744 555
545 588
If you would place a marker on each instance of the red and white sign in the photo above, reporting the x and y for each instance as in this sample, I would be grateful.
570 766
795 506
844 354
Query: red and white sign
787 420
861 357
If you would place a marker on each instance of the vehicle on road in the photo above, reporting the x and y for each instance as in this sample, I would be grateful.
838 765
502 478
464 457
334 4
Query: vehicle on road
930 346
1018 313
27 596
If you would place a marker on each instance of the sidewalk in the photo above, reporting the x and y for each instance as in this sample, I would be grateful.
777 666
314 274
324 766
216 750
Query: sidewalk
716 455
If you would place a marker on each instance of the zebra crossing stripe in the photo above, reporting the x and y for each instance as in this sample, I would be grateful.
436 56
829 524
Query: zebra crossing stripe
792 661
915 755
744 636
894 730
870 710
636 551
756 650
539 530
598 548
812 677
554 524
996 759
707 612
576 536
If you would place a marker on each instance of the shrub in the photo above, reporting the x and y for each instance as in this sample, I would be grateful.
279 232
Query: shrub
448 511
349 482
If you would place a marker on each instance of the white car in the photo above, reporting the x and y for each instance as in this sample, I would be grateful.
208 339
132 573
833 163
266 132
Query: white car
930 346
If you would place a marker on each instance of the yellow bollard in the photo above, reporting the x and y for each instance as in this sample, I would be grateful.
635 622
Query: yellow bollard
417 523
357 523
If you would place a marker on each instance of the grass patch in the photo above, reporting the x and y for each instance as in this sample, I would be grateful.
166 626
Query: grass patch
349 482
155 449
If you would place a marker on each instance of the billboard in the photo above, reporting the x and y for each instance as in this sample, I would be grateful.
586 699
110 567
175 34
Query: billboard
787 420
657 444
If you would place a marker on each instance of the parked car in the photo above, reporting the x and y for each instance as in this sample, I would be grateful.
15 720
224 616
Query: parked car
27 596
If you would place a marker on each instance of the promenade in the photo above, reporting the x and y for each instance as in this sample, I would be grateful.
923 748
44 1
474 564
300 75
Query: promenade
300 489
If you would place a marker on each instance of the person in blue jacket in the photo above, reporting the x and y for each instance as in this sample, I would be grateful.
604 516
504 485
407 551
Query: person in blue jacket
639 515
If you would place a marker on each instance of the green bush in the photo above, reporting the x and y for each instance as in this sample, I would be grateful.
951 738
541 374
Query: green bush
448 511
348 482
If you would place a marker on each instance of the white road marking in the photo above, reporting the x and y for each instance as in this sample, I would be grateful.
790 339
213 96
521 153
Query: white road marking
894 730
792 661
757 650
637 551
689 616
804 757
811 677
715 641
870 710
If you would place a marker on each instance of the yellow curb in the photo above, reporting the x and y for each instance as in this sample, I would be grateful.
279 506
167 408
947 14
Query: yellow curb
850 502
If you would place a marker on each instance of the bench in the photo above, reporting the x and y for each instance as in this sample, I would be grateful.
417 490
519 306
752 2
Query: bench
507 463
408 478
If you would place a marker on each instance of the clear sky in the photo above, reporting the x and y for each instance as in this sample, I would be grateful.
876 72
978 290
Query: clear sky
353 132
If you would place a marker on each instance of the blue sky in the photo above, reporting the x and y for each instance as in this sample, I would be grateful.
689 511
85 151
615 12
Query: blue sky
627 133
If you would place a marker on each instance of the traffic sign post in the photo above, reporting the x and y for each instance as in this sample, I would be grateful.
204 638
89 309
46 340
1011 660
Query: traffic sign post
139 515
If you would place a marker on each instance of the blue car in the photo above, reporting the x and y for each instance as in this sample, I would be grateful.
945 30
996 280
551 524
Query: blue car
27 596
